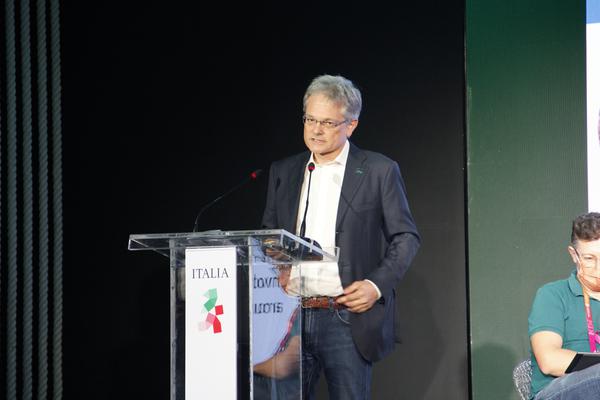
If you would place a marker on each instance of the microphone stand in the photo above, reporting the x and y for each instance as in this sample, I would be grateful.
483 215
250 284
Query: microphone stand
301 253
253 176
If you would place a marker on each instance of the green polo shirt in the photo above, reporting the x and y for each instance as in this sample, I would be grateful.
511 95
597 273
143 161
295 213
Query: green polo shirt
558 307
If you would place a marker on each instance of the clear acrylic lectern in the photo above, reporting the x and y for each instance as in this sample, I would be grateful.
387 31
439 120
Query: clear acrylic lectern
235 320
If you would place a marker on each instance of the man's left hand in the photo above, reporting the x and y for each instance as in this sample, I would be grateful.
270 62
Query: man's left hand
358 297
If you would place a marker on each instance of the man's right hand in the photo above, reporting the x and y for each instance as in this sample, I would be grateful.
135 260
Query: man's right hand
283 275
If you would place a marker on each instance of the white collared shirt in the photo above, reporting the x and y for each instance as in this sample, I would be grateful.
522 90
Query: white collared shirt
321 279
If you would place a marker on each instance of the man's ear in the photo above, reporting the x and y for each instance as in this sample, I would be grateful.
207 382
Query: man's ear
351 127
573 254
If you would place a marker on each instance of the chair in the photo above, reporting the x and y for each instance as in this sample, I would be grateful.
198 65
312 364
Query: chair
522 378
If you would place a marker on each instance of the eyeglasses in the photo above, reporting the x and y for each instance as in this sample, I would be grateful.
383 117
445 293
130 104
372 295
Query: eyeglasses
327 124
587 261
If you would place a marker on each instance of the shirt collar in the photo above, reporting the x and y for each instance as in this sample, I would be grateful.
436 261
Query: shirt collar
341 158
574 284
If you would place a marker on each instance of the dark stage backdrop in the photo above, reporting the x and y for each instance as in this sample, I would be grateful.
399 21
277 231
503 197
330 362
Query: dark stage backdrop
168 106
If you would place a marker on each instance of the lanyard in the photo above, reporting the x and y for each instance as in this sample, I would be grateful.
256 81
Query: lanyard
592 335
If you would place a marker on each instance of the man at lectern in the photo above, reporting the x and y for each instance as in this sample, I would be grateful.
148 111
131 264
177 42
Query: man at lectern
340 195
564 320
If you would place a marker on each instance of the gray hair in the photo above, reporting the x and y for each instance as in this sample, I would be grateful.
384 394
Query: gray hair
339 90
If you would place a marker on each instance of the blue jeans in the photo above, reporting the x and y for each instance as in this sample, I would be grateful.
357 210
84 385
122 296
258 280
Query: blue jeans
584 384
327 346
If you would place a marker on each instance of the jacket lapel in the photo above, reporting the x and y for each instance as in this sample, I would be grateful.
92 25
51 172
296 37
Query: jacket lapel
356 170
293 196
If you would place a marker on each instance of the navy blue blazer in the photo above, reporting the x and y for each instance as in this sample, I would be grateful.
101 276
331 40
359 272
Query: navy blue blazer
375 232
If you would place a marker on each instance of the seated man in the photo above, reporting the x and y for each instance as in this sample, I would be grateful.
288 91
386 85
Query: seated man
564 320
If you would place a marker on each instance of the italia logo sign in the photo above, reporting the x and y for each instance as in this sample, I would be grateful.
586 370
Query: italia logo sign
210 312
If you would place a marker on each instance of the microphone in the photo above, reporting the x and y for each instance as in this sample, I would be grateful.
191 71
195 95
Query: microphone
311 168
252 177
301 253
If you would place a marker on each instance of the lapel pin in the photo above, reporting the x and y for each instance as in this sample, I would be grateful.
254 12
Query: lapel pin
359 171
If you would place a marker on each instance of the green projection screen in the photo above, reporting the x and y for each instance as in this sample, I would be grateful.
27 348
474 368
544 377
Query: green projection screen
526 169
593 102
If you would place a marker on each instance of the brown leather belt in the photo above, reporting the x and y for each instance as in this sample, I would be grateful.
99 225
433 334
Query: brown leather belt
321 302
